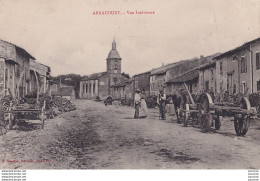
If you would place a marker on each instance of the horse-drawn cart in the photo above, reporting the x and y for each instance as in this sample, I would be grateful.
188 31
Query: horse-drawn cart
208 113
242 113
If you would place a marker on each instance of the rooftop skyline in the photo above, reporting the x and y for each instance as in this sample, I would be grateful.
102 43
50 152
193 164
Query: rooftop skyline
66 36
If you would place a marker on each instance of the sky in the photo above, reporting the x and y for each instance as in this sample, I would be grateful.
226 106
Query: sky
65 35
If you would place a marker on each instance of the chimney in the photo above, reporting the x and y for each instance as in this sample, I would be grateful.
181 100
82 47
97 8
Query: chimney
201 56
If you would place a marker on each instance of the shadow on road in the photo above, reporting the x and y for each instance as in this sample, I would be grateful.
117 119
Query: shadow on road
22 125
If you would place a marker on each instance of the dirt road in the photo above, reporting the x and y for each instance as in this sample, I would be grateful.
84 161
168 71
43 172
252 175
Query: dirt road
107 137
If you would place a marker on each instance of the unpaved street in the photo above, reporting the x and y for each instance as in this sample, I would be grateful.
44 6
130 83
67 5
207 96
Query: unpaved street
96 136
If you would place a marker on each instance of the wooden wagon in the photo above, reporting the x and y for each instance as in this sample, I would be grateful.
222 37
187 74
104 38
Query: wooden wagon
205 112
17 112
14 111
242 113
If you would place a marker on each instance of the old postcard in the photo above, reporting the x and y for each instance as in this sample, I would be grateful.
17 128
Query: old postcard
129 84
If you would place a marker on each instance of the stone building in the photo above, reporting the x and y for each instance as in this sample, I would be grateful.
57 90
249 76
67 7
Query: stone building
158 77
14 70
238 70
100 84
197 73
67 92
20 73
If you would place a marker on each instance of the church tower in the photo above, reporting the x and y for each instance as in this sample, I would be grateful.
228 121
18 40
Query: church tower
113 65
113 60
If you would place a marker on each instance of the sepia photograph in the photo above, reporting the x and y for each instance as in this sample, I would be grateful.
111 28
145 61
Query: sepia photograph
112 85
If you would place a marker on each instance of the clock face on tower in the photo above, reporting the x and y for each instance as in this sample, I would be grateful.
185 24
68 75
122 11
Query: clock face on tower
115 71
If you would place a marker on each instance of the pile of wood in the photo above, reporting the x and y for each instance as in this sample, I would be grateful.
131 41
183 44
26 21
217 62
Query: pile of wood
53 106
254 99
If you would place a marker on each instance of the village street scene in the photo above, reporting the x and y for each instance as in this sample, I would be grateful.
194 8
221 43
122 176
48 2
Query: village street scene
170 117
198 110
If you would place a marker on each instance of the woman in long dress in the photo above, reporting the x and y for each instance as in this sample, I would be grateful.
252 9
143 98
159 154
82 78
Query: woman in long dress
144 109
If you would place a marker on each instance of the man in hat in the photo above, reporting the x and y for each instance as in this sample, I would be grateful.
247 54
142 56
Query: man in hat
161 101
137 102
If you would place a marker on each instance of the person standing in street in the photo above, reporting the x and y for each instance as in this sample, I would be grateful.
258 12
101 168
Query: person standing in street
144 108
137 103
161 101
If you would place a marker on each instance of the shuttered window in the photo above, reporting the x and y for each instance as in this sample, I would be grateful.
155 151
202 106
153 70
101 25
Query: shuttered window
243 65
257 59
258 85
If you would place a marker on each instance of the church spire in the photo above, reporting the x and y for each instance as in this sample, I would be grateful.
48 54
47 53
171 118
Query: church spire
114 44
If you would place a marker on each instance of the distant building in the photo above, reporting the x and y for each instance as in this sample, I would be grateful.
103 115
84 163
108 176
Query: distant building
65 92
102 84
158 77
142 82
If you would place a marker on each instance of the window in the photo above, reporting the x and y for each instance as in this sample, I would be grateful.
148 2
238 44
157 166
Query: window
212 74
243 88
221 67
257 59
234 88
86 88
258 85
94 86
243 65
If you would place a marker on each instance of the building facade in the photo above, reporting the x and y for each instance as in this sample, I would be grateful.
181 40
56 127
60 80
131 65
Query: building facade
238 70
39 77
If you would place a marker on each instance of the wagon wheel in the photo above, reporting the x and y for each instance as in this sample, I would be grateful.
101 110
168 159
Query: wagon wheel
218 121
195 118
205 118
242 122
186 115
205 102
206 122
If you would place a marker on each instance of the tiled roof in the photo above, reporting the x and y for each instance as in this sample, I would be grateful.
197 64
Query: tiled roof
21 50
188 76
189 65
94 76
233 51
163 69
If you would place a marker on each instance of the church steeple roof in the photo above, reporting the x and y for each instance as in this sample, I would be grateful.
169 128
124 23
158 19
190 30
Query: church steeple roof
113 54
